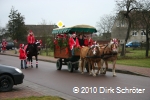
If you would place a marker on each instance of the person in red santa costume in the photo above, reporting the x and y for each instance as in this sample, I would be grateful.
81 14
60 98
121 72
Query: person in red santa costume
4 44
30 38
73 42
88 41
22 56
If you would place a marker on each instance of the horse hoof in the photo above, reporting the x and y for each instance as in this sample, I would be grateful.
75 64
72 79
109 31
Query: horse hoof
114 75
31 66
94 75
104 73
82 73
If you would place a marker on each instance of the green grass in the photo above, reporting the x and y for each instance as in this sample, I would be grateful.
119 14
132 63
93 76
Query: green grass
50 53
134 58
135 62
134 54
39 98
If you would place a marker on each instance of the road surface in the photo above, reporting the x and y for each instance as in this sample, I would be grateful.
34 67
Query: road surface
77 86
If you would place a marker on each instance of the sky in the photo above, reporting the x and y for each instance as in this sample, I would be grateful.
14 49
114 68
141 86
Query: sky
70 12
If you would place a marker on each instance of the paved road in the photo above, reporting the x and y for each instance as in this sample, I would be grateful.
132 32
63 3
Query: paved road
103 87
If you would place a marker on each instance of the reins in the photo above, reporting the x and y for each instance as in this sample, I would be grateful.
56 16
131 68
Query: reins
103 56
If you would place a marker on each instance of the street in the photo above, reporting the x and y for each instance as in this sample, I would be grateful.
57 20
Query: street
83 86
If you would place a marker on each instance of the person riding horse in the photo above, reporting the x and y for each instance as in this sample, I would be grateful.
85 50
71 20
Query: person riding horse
31 41
32 48
30 38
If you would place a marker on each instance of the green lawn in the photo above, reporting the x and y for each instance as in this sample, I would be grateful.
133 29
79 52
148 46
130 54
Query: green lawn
135 62
134 58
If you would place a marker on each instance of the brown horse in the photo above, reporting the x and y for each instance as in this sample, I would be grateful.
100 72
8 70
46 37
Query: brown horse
84 60
110 52
91 56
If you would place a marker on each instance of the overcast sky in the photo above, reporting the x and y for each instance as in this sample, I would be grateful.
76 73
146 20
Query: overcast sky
70 12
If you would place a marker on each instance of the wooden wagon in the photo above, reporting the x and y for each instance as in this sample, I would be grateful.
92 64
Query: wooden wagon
61 46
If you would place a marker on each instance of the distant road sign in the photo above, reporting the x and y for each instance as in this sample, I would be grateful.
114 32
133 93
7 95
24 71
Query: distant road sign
60 24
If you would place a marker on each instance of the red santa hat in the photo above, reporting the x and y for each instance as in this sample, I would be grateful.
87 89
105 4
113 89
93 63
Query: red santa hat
21 45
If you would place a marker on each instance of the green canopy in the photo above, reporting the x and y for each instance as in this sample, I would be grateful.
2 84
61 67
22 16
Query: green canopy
76 28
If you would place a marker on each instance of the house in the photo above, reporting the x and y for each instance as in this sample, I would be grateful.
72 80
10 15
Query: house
119 30
41 30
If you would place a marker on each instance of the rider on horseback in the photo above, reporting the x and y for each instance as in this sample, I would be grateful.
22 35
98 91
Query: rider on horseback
30 39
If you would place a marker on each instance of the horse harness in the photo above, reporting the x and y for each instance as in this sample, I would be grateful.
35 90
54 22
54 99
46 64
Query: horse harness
103 56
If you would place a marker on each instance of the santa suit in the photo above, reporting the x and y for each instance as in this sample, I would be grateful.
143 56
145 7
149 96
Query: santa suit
22 57
90 42
86 42
30 39
73 43
4 44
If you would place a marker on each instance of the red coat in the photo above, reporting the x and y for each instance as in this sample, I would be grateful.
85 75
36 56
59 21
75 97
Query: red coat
86 42
30 39
4 43
22 55
73 43
90 42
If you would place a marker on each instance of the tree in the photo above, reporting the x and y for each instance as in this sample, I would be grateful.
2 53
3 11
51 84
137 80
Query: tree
127 6
105 23
16 26
2 32
47 36
142 21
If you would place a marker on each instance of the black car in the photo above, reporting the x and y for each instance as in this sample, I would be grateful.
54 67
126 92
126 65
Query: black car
10 76
10 45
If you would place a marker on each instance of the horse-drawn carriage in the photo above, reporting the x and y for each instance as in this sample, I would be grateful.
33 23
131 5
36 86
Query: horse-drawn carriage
61 45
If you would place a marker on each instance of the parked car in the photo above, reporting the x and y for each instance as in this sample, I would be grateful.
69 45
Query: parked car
133 44
10 45
9 76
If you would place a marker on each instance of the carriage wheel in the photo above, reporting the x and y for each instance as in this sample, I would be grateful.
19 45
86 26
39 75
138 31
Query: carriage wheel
59 64
70 67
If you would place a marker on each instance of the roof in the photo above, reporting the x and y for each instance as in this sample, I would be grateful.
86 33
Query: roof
76 28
